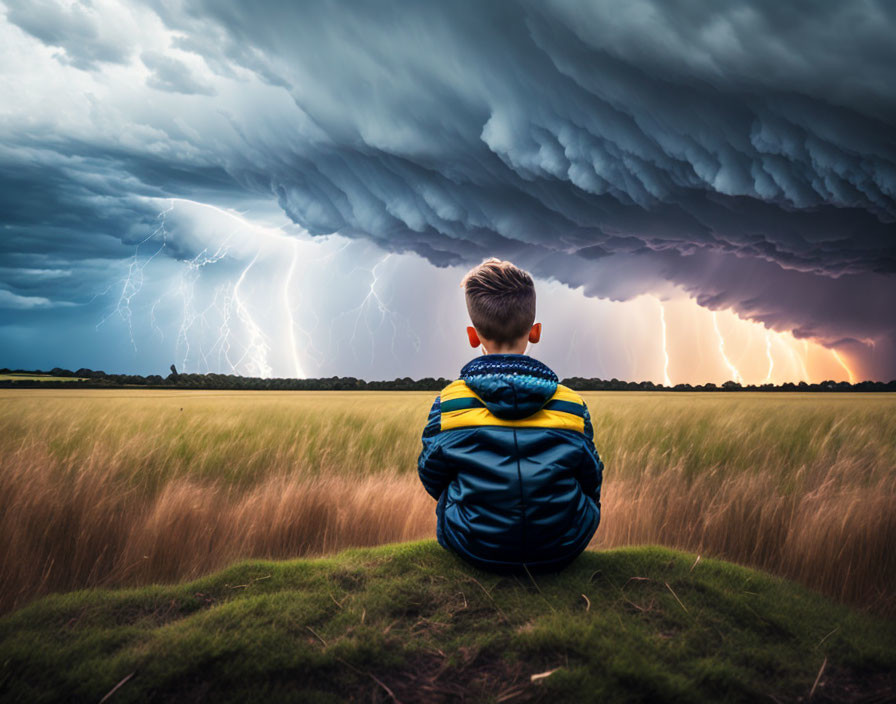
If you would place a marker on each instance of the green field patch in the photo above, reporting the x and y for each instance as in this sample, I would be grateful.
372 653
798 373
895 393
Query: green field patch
38 377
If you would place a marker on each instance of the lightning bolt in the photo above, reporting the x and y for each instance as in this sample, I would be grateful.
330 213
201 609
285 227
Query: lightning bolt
290 324
797 361
374 301
372 295
666 380
850 375
803 359
187 290
133 280
229 303
768 353
232 332
257 349
735 374
222 344
152 320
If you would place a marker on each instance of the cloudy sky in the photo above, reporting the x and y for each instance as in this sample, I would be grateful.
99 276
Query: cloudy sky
279 188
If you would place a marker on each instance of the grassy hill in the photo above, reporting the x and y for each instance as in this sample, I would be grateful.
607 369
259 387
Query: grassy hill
411 622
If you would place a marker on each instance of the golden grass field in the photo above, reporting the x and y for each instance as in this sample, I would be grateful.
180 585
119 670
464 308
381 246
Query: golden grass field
108 488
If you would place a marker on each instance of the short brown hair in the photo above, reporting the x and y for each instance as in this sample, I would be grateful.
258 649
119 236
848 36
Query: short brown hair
500 300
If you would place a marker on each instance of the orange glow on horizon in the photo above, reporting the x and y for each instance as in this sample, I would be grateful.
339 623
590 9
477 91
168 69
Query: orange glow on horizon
681 343
700 345
750 353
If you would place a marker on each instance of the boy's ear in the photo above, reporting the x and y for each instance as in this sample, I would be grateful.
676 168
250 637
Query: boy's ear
535 333
473 336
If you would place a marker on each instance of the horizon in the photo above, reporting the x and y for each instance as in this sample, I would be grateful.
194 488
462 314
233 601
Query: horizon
580 382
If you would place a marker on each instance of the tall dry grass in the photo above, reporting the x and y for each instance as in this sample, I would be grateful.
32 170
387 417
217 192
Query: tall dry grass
107 488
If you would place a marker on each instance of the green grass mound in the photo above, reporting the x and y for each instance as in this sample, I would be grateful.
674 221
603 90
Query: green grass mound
411 622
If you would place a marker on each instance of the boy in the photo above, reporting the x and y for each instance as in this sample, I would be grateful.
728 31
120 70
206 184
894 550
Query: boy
507 451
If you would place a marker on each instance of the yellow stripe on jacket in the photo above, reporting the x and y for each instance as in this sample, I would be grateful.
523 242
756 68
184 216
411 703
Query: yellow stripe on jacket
472 417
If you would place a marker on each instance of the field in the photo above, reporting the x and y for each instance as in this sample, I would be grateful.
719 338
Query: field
128 488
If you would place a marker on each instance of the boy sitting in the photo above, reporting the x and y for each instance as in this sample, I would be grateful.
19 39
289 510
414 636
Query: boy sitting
507 451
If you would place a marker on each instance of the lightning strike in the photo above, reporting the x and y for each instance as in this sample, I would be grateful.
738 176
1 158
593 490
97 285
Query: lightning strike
187 290
383 309
290 324
374 301
666 380
152 320
232 333
133 280
850 375
257 349
228 306
802 360
735 375
274 238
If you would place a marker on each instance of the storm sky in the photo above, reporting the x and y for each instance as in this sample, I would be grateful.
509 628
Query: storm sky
280 188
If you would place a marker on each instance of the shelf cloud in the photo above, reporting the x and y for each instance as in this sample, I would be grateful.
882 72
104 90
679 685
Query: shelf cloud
745 155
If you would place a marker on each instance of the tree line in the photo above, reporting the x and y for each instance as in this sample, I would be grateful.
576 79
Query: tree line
89 378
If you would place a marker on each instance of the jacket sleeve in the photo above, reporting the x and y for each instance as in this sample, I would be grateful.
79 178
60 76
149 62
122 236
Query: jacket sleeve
434 472
592 469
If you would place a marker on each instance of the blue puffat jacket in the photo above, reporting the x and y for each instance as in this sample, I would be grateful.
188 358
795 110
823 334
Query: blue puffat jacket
509 454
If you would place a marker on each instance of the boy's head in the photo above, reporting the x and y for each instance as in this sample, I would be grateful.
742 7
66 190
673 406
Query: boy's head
501 303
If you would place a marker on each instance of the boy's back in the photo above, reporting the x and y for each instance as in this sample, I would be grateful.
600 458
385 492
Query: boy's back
509 454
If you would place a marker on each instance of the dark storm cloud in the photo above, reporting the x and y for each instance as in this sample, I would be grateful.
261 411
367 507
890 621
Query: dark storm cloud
509 122
73 211
759 136
744 153
66 223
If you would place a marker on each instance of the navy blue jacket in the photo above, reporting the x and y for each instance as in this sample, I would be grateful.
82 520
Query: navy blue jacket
509 454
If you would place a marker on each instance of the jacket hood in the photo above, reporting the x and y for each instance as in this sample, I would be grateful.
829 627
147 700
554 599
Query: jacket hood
512 386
